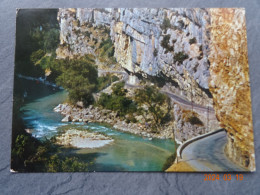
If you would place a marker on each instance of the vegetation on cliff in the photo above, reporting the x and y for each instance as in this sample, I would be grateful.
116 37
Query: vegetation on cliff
166 24
158 104
38 35
118 101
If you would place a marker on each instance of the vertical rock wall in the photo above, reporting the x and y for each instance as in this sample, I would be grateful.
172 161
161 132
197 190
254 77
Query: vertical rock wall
137 36
229 82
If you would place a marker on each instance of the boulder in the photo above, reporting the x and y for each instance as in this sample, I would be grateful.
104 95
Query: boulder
57 108
67 118
80 104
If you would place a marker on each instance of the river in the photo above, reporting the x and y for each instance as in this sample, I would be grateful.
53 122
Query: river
128 152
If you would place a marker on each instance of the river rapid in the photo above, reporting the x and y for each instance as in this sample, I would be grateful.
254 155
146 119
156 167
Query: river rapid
128 152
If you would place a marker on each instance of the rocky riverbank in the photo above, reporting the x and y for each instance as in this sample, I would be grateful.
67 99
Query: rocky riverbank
95 114
181 128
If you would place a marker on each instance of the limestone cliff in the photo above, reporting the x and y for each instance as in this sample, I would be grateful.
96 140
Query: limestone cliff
229 82
150 42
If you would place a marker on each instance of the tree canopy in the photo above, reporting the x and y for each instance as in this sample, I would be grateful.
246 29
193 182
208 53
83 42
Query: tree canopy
118 101
158 104
78 77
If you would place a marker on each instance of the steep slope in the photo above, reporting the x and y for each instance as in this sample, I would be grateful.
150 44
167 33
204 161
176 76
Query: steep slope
229 82
147 42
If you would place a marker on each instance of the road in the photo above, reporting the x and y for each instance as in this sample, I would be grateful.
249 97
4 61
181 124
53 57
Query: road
173 96
207 154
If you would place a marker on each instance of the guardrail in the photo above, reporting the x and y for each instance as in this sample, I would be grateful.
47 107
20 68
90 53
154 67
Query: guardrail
186 143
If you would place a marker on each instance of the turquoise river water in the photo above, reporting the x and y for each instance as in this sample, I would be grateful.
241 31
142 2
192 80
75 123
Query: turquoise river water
128 152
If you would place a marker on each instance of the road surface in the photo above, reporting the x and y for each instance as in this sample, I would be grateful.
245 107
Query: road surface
173 96
207 154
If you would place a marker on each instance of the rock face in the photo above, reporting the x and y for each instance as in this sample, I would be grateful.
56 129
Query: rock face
183 128
229 83
150 42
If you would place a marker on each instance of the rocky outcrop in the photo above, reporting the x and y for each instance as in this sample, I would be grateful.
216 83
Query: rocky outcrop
95 114
229 83
172 43
181 127
189 124
82 139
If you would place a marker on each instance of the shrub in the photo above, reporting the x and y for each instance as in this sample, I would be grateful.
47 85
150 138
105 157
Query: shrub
165 43
106 30
105 81
118 89
117 101
87 34
110 52
108 42
194 120
191 117
69 164
170 160
73 165
131 118
107 51
51 40
155 52
180 57
166 24
36 56
23 147
114 78
193 40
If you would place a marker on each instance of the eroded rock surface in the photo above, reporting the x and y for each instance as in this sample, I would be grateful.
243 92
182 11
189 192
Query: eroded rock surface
173 43
229 83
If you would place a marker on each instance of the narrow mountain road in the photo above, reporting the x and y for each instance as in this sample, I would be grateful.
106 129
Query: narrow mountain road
207 154
173 96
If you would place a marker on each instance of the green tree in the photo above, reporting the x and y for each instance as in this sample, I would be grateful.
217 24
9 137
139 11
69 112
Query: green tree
158 103
78 77
51 40
118 89
73 165
118 101
36 56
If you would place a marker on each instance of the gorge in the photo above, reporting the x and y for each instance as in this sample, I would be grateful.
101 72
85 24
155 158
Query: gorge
163 75
138 36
